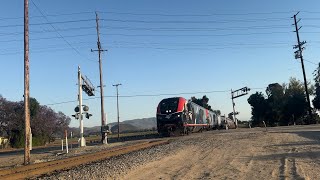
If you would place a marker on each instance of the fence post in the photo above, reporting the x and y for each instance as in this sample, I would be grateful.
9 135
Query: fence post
61 144
66 132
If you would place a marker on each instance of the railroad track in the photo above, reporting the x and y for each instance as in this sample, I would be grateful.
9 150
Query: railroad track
34 170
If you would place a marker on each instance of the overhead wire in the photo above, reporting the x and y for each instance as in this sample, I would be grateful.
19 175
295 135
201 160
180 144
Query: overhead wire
164 14
191 22
130 28
76 50
48 23
143 95
149 21
194 15
42 38
311 62
47 31
48 15
152 95
166 35
190 35
143 47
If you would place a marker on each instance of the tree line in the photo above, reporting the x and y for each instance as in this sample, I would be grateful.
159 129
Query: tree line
286 104
46 124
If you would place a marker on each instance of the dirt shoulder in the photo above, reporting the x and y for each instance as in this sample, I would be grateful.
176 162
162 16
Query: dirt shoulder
282 153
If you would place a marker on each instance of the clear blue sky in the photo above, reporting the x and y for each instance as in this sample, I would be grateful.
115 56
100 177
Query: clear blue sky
155 47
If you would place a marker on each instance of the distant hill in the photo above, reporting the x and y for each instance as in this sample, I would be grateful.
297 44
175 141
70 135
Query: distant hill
144 123
133 125
124 128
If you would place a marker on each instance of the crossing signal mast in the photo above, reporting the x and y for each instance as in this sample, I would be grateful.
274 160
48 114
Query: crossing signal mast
235 94
298 55
85 85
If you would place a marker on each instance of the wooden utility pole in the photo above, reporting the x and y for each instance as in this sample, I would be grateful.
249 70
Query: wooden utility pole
116 85
103 122
26 84
298 54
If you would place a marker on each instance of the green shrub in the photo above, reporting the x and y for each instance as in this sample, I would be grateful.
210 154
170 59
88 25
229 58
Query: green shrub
17 139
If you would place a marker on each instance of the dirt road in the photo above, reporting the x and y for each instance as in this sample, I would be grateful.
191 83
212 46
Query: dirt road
282 153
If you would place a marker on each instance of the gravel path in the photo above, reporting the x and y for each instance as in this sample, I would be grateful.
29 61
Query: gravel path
115 167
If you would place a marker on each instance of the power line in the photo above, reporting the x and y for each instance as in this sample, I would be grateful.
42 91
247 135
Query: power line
199 43
154 29
47 31
194 15
49 15
142 47
130 28
209 48
143 95
161 29
163 14
48 23
189 35
79 35
182 45
151 21
311 62
192 22
155 14
164 35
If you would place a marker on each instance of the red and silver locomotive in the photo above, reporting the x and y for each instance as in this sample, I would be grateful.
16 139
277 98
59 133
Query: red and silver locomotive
177 116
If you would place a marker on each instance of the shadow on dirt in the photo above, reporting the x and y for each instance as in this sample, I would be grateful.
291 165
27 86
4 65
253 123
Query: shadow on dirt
305 151
312 135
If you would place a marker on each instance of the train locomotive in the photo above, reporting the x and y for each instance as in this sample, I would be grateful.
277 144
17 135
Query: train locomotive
177 116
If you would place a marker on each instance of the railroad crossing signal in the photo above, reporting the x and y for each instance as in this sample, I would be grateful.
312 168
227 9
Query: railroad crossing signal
88 115
236 113
240 92
87 86
85 109
235 94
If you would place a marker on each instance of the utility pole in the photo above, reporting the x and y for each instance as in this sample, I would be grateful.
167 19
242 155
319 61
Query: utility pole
104 138
298 54
116 85
26 84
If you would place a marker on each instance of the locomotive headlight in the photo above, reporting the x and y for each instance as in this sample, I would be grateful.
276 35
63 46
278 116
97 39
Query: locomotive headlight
178 115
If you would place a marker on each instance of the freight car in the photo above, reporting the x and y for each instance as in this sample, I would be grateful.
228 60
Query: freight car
177 116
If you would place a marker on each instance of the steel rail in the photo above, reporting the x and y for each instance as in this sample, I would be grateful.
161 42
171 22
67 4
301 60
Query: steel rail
35 170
